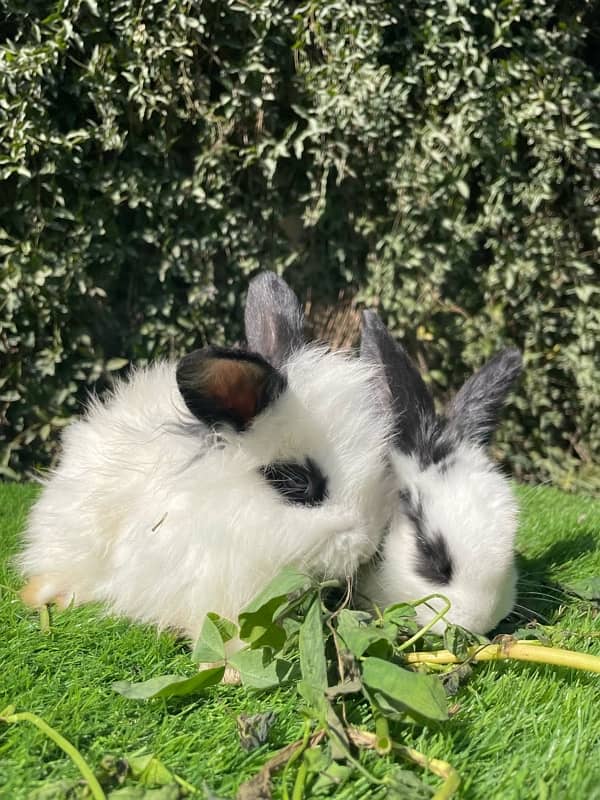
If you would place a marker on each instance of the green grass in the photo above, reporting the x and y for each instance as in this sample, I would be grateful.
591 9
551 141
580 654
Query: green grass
522 731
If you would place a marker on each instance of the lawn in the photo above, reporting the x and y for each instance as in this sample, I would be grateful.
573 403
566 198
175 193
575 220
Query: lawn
521 731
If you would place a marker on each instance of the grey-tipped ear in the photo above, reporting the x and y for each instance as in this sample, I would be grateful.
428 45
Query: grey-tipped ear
402 387
273 318
474 412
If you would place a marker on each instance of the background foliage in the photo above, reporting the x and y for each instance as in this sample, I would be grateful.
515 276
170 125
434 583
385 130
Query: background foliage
439 158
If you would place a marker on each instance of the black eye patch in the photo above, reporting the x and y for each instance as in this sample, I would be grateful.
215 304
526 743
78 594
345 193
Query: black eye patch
302 484
434 562
433 559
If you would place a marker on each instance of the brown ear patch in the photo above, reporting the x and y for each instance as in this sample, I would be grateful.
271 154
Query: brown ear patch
220 385
235 386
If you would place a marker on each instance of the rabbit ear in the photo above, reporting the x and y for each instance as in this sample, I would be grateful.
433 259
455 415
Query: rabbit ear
474 412
274 319
403 388
221 385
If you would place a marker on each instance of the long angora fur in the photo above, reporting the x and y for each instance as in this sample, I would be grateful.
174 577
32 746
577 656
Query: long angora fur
164 519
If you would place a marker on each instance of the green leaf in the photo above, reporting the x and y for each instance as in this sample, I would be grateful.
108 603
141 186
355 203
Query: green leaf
169 685
313 664
454 679
404 784
258 670
116 363
316 703
93 7
209 647
400 613
317 759
337 735
532 633
55 790
412 692
262 634
357 636
289 584
343 689
463 188
457 641
148 769
258 621
331 779
227 629
170 792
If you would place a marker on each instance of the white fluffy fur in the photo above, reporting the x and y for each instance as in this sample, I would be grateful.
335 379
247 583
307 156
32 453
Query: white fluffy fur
164 521
471 504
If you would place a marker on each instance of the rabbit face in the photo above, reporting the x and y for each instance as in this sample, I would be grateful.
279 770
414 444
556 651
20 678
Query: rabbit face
455 516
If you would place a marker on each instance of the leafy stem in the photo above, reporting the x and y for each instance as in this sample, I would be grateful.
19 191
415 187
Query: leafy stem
383 742
511 649
294 757
442 769
440 614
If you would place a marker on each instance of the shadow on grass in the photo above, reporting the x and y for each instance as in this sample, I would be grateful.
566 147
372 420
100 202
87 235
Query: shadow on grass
540 596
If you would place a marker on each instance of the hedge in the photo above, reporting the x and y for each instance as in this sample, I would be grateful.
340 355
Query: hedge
437 159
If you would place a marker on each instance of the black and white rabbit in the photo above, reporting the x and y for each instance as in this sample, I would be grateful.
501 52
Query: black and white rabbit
453 526
193 483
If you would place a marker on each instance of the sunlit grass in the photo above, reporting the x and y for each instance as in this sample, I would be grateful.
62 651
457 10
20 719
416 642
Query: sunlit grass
521 730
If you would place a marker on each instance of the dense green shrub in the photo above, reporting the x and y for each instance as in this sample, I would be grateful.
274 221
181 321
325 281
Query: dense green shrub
438 157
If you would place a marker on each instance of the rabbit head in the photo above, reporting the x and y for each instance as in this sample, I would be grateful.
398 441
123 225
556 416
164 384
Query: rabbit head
455 516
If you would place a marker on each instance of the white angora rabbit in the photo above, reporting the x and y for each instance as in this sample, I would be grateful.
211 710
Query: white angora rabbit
455 517
191 484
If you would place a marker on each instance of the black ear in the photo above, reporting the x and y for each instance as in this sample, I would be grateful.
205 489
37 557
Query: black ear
403 388
221 385
274 319
474 412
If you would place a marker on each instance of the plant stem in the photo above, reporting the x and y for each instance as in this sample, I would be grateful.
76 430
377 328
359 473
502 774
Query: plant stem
431 623
294 757
440 768
517 650
64 744
298 792
371 739
184 784
44 619
257 785
383 742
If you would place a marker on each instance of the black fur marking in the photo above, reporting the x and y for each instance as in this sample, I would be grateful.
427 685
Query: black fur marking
472 416
301 484
433 559
404 496
419 431
434 562
446 465
203 405
433 442
403 389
